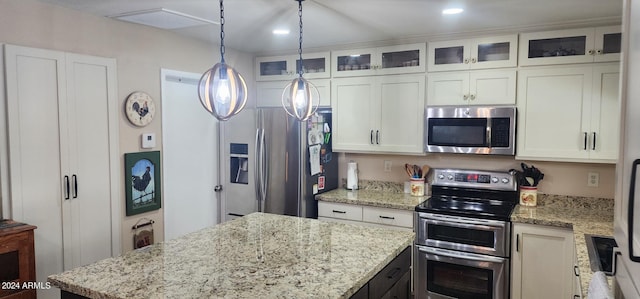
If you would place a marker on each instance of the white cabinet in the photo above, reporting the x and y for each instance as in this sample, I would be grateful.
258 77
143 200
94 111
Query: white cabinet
64 161
569 113
477 53
542 262
400 59
283 68
365 215
378 113
484 87
584 45
269 93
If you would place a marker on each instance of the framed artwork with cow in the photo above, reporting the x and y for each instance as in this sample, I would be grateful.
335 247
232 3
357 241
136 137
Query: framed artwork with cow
142 182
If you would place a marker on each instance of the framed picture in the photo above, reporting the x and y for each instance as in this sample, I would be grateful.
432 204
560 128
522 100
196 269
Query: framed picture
142 182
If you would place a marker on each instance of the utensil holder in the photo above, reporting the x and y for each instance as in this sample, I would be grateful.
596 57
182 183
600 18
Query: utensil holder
528 196
417 186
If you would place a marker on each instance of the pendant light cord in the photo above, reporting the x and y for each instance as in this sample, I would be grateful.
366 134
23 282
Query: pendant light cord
300 40
222 32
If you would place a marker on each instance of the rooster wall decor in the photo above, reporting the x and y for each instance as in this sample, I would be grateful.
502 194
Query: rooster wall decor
142 181
140 108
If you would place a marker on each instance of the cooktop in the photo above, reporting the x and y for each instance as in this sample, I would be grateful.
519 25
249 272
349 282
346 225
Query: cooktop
472 193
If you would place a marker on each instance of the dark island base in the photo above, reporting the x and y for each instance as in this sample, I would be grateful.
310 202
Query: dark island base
393 281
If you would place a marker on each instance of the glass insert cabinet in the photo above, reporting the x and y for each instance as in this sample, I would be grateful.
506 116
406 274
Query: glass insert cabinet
477 53
272 68
378 61
600 44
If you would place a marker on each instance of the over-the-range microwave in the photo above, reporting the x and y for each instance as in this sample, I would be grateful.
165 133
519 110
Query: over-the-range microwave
470 130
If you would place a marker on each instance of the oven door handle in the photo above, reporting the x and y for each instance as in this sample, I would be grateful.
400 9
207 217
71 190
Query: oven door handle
461 255
450 219
466 225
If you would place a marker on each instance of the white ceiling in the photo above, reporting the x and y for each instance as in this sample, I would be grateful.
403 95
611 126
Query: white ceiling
327 23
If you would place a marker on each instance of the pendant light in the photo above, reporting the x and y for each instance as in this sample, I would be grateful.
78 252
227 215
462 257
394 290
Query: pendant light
222 90
300 98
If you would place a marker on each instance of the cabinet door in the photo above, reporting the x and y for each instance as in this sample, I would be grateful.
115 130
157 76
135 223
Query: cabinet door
35 168
492 87
401 59
91 88
556 47
357 62
494 52
450 88
269 94
542 262
608 43
448 55
274 68
605 113
315 65
356 111
402 111
553 115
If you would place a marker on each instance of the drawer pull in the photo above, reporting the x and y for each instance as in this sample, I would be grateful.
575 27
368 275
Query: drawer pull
339 212
387 217
393 273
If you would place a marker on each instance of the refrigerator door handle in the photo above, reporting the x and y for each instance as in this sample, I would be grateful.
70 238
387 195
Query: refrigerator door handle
256 171
264 169
630 210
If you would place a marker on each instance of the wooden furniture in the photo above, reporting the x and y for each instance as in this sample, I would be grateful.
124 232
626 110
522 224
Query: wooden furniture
17 258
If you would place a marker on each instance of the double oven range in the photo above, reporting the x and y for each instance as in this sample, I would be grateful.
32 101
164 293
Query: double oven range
463 235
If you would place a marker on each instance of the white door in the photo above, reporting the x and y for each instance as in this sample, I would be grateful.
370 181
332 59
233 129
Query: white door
190 156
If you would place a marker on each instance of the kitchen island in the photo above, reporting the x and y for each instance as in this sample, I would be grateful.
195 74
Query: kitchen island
256 256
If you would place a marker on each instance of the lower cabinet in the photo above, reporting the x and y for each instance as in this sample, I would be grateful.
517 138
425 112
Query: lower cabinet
394 281
365 215
542 262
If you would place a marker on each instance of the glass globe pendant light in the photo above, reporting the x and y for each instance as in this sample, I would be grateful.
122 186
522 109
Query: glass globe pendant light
222 90
300 98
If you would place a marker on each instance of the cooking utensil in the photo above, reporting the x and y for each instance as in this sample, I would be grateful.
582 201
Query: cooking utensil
408 169
425 170
417 171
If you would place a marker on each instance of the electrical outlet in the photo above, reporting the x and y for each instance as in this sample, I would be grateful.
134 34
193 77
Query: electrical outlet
593 179
387 166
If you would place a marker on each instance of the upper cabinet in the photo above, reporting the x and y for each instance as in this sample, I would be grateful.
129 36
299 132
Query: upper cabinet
482 87
281 68
379 61
571 46
477 53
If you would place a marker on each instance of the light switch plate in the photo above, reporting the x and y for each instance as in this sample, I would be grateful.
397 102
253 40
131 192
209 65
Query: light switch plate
148 140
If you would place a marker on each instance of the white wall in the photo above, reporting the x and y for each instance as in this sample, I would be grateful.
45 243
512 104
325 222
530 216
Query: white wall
140 51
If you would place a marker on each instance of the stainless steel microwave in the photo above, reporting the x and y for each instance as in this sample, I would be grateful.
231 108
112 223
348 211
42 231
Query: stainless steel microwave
470 130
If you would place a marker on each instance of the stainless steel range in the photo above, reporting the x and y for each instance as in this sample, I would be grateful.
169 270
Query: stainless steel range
463 235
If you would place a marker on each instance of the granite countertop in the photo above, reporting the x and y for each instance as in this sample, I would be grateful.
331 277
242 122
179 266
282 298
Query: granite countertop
374 193
582 215
255 256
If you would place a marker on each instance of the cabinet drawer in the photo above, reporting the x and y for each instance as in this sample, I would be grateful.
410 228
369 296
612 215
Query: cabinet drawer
393 272
388 216
340 211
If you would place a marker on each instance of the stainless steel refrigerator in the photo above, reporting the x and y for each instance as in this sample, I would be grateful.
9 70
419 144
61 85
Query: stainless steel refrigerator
286 164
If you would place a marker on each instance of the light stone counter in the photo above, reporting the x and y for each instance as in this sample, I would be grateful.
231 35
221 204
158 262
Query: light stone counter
256 256
583 215
374 193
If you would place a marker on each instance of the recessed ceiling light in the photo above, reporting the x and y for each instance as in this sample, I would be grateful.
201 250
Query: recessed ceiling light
452 11
281 31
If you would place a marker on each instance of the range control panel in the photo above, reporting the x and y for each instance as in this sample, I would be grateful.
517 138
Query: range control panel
468 178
